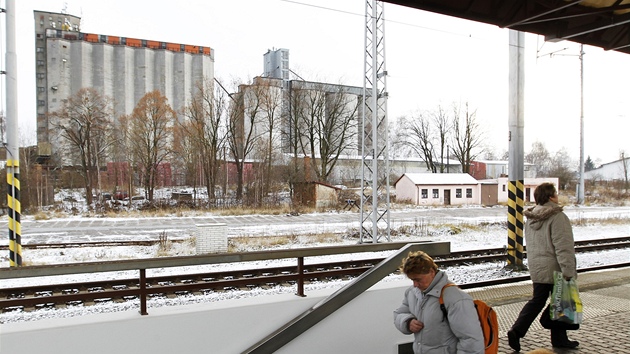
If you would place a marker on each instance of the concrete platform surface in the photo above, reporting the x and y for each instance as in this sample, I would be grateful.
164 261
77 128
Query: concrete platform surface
606 327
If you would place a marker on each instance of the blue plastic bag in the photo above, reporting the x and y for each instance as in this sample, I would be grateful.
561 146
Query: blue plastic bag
565 303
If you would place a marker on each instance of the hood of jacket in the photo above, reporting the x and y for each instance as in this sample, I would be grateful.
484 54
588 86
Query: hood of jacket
539 213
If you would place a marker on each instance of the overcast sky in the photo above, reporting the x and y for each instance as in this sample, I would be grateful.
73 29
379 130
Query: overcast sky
431 60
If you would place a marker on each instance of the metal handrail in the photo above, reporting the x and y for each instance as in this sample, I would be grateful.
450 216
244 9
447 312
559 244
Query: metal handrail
335 301
180 261
141 265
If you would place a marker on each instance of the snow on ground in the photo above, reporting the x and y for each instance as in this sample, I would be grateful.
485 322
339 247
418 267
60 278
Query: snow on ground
475 235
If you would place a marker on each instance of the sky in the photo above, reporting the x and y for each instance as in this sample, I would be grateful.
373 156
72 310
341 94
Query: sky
432 60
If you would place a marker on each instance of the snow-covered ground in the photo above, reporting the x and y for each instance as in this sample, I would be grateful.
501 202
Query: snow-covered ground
465 236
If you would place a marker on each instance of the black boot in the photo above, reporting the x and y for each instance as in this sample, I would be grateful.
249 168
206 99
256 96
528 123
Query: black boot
514 340
559 339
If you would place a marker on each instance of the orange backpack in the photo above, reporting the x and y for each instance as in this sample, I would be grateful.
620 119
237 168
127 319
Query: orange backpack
487 320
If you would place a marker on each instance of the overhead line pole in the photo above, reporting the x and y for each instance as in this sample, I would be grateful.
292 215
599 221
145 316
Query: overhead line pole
12 146
516 116
374 143
580 194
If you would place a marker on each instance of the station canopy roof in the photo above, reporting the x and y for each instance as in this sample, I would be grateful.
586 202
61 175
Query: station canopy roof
599 23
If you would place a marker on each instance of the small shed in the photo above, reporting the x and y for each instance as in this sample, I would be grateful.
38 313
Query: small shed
316 194
438 189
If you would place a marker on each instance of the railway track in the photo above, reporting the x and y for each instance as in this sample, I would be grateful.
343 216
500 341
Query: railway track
120 290
155 242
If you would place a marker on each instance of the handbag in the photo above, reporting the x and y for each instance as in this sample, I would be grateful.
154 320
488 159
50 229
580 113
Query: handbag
565 303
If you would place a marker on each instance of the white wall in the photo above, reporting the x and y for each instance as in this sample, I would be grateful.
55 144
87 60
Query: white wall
610 171
528 183
364 325
406 190
403 190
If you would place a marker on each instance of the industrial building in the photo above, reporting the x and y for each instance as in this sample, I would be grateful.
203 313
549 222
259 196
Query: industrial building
120 68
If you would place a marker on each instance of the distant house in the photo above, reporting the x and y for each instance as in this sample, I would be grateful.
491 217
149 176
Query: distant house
529 185
613 171
438 189
487 169
316 194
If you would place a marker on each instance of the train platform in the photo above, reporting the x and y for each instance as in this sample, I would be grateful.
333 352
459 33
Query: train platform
606 326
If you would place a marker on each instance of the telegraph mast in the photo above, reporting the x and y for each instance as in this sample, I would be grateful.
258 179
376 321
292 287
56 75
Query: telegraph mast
374 143
13 158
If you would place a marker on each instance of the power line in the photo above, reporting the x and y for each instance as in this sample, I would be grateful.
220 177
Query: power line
386 20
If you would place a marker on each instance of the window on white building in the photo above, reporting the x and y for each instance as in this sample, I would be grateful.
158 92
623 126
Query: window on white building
458 193
425 193
468 192
436 193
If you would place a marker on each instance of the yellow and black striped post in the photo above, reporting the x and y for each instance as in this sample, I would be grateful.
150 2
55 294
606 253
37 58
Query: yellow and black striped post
12 143
515 224
13 202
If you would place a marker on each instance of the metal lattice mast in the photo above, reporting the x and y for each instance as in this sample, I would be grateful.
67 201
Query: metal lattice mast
374 142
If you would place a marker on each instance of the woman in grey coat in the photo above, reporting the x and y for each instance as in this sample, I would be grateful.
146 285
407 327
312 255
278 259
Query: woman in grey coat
420 313
550 247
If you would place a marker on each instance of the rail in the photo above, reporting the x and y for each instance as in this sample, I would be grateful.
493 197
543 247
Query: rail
141 265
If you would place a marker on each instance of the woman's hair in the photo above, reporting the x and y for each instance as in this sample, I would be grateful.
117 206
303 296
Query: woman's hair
543 192
418 263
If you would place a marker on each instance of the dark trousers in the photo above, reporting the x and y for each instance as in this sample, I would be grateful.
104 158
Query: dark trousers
533 307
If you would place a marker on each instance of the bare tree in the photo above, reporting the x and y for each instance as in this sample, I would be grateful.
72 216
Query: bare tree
327 126
290 134
419 138
123 154
563 167
187 152
426 135
84 121
397 137
442 127
150 136
467 137
271 108
243 124
203 130
539 157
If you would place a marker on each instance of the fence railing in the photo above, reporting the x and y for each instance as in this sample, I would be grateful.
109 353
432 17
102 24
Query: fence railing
142 265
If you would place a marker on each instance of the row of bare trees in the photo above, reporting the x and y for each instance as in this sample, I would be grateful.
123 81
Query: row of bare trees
436 135
439 134
255 124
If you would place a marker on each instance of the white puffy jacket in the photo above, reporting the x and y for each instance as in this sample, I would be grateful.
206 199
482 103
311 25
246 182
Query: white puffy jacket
549 243
459 334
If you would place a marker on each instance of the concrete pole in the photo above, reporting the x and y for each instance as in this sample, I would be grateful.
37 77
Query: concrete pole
515 165
580 196
13 154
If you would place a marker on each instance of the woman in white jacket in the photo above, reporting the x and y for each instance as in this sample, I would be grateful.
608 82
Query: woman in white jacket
550 247
420 312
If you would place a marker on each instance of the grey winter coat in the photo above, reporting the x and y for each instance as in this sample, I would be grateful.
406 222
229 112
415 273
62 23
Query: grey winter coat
549 242
459 334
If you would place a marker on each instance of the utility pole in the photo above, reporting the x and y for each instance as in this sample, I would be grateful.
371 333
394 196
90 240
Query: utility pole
580 192
374 144
580 188
13 154
516 116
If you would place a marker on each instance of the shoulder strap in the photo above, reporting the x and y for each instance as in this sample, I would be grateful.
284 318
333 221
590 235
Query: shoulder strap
442 307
